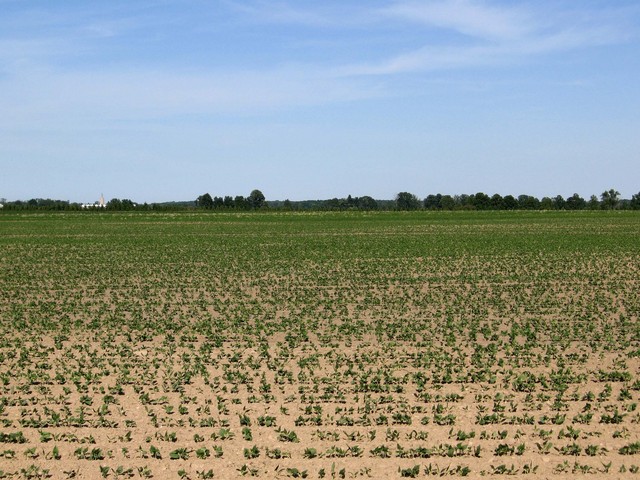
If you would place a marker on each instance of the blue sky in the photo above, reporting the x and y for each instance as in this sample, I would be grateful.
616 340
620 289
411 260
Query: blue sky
166 100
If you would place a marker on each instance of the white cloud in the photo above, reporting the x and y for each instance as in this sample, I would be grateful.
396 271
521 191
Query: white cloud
463 33
434 58
495 36
100 98
34 85
321 14
25 50
468 17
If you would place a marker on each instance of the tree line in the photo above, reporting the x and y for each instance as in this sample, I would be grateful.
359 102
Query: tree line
254 201
608 200
405 201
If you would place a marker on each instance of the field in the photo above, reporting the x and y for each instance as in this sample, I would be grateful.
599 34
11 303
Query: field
325 345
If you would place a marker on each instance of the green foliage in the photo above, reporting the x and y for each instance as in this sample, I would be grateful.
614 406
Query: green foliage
285 435
12 437
253 452
179 454
412 472
630 449
407 201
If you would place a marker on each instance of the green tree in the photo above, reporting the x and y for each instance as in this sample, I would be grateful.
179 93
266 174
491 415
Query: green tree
433 202
240 203
510 202
593 203
528 202
634 203
575 202
256 199
114 204
547 203
559 203
481 201
204 201
497 202
367 203
351 202
610 199
447 202
407 201
465 201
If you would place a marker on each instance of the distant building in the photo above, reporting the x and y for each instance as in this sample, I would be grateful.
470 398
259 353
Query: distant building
98 204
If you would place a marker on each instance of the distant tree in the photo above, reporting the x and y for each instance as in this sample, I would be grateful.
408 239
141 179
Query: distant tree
240 203
527 202
117 204
481 201
227 201
114 204
367 203
464 201
497 202
433 202
127 204
407 201
204 201
256 199
217 202
593 203
351 202
447 202
286 205
575 202
559 203
634 203
610 199
510 202
331 204
547 204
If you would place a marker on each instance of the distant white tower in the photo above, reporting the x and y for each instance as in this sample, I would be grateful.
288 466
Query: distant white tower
101 202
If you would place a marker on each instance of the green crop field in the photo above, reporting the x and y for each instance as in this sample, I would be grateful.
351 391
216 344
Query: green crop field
319 345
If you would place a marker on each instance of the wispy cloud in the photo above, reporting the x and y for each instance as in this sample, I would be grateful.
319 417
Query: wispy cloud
463 33
492 35
468 17
468 34
320 14
433 58
102 97
44 36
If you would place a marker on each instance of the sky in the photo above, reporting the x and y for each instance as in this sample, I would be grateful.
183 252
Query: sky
160 100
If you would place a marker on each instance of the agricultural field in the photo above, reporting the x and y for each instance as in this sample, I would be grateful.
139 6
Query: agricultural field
324 345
